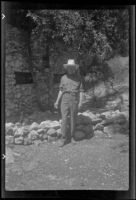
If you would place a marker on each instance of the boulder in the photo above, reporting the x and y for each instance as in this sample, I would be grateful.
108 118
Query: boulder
33 135
79 135
34 126
81 119
87 129
19 140
9 139
52 132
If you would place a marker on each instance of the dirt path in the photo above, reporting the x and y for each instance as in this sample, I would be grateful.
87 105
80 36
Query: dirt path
95 164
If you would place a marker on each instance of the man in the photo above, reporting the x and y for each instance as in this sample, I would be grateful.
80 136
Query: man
71 96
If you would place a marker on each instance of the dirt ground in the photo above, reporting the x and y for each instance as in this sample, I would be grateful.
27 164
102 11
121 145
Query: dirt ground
94 164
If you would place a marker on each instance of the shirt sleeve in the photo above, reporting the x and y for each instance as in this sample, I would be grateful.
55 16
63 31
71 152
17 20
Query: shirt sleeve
61 86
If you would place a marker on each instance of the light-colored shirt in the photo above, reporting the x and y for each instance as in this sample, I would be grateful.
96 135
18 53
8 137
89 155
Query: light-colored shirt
72 83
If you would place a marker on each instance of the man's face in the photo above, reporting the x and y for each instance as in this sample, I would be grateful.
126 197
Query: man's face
71 70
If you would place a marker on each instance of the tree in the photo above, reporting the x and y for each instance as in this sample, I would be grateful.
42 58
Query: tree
94 33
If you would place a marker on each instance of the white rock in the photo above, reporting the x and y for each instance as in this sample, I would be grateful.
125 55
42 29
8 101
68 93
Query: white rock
96 121
34 126
99 127
19 140
33 135
41 131
18 132
52 132
7 125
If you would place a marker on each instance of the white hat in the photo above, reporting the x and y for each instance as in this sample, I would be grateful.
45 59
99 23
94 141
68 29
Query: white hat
71 62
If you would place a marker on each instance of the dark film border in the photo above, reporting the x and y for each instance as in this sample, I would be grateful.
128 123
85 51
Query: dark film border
93 194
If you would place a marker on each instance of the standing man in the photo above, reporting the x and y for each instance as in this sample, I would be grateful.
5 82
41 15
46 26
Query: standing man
70 95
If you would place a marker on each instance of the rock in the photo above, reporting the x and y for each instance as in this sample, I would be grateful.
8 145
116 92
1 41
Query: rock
18 132
115 118
98 126
9 131
25 131
81 119
89 114
44 124
7 125
34 126
19 140
79 135
87 129
33 135
41 131
9 139
44 137
49 124
96 121
58 131
28 141
18 124
51 139
126 114
112 129
55 124
52 132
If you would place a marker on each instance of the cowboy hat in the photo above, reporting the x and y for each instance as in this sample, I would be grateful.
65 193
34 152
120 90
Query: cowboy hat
71 62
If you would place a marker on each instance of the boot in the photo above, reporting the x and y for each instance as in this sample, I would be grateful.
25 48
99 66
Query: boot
64 142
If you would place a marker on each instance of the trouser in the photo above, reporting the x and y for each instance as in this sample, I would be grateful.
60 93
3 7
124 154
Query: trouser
69 111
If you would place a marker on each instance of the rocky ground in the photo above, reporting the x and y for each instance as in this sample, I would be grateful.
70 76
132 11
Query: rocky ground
99 159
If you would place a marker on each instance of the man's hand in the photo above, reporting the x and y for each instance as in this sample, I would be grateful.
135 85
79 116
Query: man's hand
56 105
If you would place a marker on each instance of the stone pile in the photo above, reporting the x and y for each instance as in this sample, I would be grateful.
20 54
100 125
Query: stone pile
87 125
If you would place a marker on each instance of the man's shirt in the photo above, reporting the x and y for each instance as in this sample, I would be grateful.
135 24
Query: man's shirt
72 83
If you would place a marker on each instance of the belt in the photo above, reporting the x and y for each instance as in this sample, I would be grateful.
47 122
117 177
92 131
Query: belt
70 92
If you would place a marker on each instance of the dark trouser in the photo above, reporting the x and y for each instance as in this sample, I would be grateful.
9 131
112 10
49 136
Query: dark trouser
69 107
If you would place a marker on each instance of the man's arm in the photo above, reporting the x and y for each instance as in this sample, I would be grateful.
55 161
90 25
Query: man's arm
59 97
59 94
